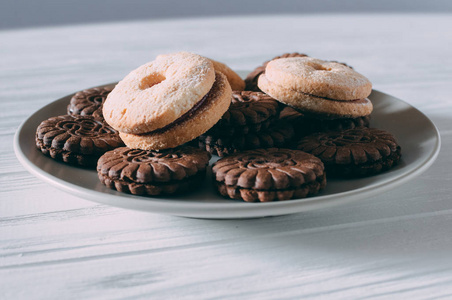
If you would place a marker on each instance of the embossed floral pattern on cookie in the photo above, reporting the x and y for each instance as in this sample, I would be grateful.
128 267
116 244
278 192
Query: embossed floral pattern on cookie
78 140
147 172
269 174
89 102
353 152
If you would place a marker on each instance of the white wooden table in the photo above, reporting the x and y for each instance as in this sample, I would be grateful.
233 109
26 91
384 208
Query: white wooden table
395 245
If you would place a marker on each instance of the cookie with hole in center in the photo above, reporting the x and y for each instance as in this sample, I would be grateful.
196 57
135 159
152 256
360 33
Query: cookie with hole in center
314 86
353 152
251 78
76 140
159 92
152 173
269 175
190 125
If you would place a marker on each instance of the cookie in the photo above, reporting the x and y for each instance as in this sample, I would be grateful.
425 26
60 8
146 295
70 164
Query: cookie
312 85
251 78
89 102
248 112
353 152
269 175
190 125
76 140
159 92
235 81
305 124
144 172
278 134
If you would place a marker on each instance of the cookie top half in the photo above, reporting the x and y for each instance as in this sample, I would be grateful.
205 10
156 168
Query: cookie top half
358 151
268 169
159 92
147 166
190 125
77 134
251 78
318 78
249 108
89 102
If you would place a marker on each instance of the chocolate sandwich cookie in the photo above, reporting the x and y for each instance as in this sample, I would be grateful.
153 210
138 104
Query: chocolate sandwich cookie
251 78
89 102
76 140
148 172
248 112
268 175
353 152
277 135
305 124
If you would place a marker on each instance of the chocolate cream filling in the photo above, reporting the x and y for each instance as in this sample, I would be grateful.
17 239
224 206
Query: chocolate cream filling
182 118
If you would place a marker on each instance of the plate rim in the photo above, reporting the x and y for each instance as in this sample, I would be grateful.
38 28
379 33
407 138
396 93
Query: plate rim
247 210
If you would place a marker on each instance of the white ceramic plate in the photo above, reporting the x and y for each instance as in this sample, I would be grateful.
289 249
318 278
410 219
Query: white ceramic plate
417 135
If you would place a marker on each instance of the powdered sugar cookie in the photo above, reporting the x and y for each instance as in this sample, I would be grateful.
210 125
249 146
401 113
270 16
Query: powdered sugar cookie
236 82
316 86
251 78
190 125
158 93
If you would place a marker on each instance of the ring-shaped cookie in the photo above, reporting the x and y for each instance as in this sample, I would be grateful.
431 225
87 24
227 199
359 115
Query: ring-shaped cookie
235 81
191 125
318 105
319 78
157 93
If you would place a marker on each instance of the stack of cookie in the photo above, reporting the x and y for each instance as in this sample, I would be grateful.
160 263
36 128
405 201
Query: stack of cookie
82 136
328 106
157 109
251 122
153 111
299 119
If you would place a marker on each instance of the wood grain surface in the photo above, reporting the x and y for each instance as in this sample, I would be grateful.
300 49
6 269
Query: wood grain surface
396 245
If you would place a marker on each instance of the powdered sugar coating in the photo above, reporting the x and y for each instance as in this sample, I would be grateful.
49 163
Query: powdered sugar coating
159 92
216 104
318 77
313 104
236 82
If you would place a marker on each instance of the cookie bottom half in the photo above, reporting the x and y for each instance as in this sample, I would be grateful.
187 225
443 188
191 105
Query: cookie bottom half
362 170
255 195
275 136
156 188
68 157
